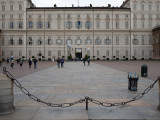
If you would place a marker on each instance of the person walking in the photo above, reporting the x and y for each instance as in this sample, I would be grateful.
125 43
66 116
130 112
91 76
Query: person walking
58 62
84 60
62 62
12 63
30 62
88 60
20 62
35 63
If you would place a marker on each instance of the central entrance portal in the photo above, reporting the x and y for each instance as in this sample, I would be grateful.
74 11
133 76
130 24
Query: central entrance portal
78 53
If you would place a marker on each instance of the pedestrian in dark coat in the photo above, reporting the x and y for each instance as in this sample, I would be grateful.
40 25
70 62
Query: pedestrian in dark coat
20 62
35 63
88 60
84 60
30 63
58 62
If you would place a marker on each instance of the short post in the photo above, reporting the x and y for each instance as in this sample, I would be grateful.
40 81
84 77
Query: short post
86 103
159 95
6 95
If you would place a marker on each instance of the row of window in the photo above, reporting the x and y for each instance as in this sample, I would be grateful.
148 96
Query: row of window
150 24
12 7
78 24
98 53
143 6
69 25
12 25
78 16
78 41
146 16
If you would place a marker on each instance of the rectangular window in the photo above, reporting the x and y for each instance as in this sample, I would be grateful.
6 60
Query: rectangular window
11 25
11 53
3 25
134 7
117 53
30 53
59 53
126 40
150 24
150 40
3 41
59 24
39 24
107 24
20 41
98 53
49 41
117 24
142 6
126 53
135 16
135 24
142 40
142 24
98 24
157 7
142 53
30 24
88 52
3 7
135 40
11 7
20 53
3 53
20 24
20 6
150 7
48 25
49 53
126 24
30 42
117 40
107 53
150 53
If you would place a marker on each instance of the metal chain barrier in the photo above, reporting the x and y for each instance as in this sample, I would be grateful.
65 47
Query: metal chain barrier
86 99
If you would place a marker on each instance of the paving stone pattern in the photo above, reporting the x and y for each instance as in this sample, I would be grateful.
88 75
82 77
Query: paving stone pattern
75 81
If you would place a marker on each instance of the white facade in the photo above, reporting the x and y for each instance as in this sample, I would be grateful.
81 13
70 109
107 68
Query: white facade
103 32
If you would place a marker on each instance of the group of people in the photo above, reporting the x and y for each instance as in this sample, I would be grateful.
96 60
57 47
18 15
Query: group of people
86 59
60 62
34 61
20 62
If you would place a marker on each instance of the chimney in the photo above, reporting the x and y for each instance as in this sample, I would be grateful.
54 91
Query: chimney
72 5
55 5
90 5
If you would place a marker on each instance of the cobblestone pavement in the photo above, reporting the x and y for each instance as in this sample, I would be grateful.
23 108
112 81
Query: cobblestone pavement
74 82
25 70
135 66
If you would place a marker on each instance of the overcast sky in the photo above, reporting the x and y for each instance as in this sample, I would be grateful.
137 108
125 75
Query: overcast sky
82 3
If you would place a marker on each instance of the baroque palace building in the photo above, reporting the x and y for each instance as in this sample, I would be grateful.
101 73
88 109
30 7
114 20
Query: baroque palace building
123 32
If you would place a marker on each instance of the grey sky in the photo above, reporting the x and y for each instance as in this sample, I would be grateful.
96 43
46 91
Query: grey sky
68 3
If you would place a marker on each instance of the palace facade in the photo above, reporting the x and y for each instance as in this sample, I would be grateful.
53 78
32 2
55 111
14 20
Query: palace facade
123 32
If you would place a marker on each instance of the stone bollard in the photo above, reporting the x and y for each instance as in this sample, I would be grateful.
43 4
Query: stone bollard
6 95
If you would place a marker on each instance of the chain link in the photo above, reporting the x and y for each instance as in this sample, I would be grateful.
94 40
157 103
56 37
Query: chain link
64 105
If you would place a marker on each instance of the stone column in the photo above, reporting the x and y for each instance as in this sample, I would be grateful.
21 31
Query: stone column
6 95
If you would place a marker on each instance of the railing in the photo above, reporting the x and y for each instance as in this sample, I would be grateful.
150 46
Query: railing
85 99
